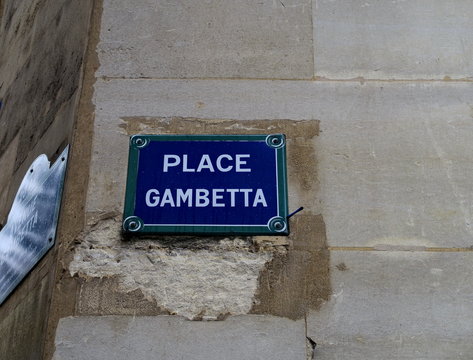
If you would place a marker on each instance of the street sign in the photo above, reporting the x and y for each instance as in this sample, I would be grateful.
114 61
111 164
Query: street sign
30 230
207 184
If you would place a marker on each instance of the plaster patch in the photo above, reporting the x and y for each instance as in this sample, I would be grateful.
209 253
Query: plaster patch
185 281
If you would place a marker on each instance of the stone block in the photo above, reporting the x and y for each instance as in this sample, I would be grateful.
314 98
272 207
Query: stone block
196 39
171 337
396 305
393 39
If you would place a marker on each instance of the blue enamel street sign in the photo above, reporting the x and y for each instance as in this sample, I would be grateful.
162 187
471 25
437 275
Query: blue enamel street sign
207 184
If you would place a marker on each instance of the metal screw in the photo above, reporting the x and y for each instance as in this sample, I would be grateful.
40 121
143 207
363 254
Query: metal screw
275 141
139 142
278 225
133 225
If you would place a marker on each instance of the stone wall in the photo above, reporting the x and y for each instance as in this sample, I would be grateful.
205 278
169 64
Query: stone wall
375 98
41 60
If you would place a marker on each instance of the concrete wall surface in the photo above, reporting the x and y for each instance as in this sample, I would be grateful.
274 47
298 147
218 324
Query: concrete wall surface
42 47
376 101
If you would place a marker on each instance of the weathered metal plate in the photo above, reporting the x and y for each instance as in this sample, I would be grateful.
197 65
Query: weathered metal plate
30 230
207 184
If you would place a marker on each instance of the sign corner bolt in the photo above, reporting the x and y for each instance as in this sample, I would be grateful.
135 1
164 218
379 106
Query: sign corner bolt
133 224
138 141
276 141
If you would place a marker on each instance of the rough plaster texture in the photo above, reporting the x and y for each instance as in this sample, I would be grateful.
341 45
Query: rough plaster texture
195 283
149 38
386 39
166 275
298 280
403 305
170 338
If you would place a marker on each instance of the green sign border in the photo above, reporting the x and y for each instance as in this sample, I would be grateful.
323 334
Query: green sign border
277 226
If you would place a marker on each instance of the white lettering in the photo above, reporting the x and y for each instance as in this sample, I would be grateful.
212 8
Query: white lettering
205 163
259 198
246 192
201 197
167 198
152 201
240 162
219 163
184 165
232 196
216 197
167 164
183 196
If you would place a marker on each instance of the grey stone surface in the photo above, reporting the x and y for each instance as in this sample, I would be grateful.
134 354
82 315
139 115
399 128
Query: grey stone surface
7 164
396 305
42 44
170 337
393 39
40 72
23 320
393 158
244 39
